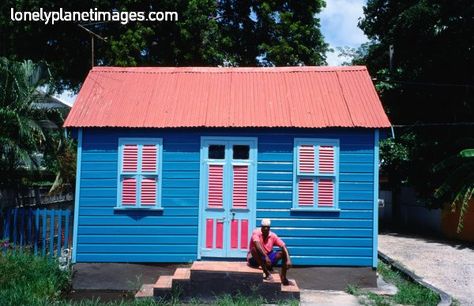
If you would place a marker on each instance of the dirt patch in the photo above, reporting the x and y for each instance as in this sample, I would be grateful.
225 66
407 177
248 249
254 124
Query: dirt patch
446 265
117 276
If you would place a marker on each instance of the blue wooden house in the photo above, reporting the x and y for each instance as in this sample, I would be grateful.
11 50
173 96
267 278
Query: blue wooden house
180 164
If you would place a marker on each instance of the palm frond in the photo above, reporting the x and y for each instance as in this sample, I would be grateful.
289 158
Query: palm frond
458 185
467 153
455 180
464 197
20 131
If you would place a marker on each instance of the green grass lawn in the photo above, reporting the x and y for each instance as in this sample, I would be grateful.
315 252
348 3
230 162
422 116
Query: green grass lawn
29 280
409 293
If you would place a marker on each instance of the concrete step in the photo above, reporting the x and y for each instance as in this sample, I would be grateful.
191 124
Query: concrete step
291 291
236 267
182 274
230 272
275 290
163 286
146 291
181 280
210 278
164 282
207 279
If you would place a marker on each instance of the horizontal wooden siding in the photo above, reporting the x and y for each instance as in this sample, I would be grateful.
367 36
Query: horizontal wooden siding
313 238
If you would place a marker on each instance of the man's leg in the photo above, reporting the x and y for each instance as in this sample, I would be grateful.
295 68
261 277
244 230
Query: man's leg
257 256
284 267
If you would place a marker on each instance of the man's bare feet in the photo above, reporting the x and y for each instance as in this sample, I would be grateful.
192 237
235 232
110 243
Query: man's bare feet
286 282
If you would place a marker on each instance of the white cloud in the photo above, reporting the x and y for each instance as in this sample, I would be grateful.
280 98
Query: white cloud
333 58
339 26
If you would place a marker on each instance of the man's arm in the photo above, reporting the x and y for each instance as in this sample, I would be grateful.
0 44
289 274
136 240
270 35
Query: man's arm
286 255
262 251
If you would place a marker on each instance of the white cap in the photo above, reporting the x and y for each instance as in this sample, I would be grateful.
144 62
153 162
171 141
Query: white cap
266 222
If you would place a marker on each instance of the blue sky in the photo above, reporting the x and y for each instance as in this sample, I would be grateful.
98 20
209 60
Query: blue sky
339 26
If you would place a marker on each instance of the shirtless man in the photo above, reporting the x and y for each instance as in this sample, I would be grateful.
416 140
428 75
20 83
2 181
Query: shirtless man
261 252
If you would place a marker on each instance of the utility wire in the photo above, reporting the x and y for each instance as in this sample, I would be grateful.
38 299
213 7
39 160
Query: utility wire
427 83
434 124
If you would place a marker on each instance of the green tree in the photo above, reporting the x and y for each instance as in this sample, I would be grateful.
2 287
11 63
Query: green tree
208 33
20 133
26 142
421 53
280 33
432 62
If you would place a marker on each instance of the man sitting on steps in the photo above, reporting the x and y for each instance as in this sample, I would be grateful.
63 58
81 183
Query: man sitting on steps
261 252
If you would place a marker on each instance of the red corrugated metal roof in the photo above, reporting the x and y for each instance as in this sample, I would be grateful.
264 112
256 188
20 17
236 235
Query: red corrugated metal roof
153 97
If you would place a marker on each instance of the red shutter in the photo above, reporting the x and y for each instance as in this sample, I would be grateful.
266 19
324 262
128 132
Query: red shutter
306 159
216 182
234 233
306 192
130 158
148 191
209 233
239 192
149 154
326 192
129 191
219 234
326 159
244 234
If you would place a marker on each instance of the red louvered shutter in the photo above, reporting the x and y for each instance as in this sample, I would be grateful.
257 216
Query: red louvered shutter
306 192
326 192
234 233
148 191
149 154
215 185
239 192
306 159
244 234
326 159
129 191
209 233
130 158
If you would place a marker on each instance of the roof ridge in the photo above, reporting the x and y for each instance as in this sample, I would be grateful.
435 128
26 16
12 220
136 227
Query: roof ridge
285 69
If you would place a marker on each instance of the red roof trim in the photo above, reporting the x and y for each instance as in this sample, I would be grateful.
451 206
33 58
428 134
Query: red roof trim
227 69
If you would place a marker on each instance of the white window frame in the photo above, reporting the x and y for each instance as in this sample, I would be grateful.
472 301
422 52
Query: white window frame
317 175
139 175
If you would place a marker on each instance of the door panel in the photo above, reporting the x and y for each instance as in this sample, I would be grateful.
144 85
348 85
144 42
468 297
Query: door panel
239 234
228 196
214 233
